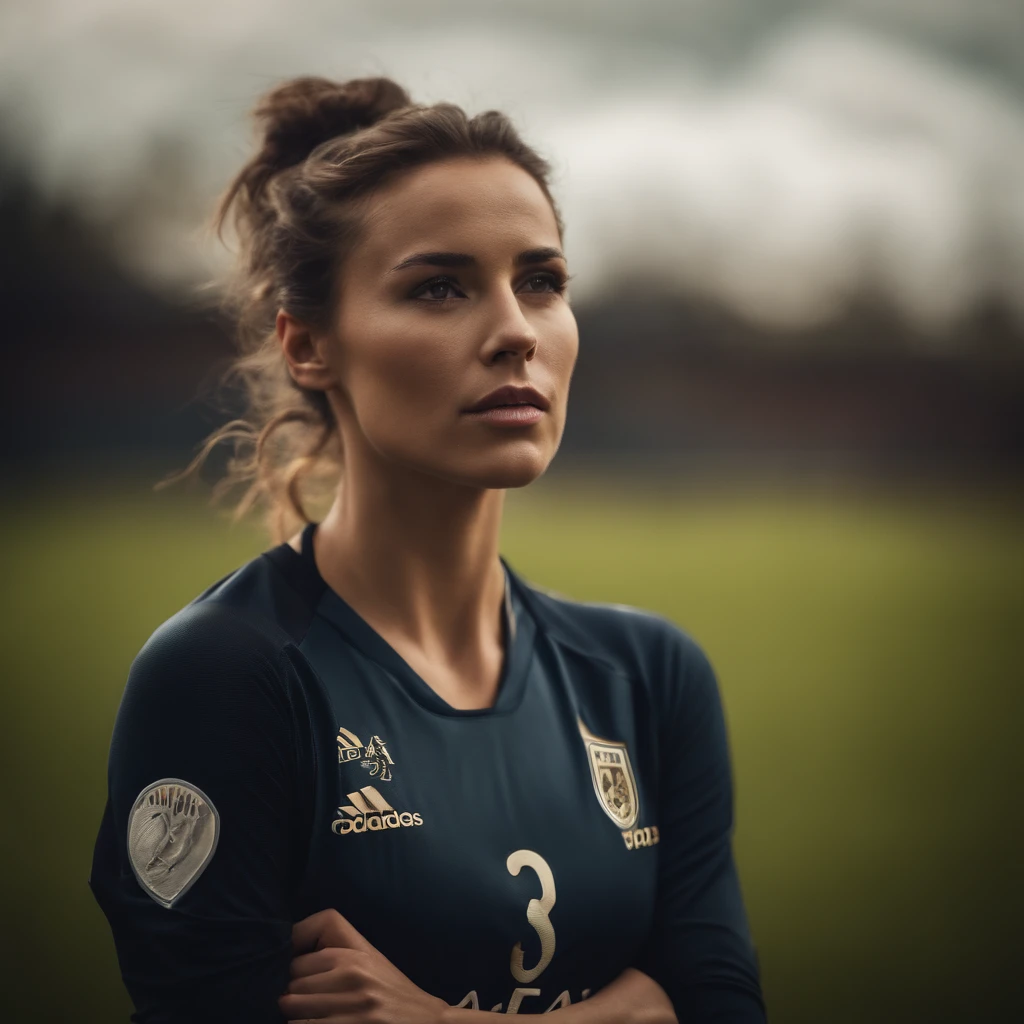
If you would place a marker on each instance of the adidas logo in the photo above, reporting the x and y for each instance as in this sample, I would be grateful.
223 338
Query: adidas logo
370 812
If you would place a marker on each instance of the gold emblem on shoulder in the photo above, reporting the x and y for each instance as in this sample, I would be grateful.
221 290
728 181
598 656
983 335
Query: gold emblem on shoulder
613 777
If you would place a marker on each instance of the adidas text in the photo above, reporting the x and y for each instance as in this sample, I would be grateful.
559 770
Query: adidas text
370 812
375 822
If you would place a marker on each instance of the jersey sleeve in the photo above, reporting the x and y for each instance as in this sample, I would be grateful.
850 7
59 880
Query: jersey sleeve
206 774
700 949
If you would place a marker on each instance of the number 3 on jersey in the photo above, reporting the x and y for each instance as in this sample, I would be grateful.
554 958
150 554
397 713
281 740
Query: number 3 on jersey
536 913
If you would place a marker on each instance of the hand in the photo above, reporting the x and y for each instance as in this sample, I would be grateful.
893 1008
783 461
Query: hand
348 981
648 1000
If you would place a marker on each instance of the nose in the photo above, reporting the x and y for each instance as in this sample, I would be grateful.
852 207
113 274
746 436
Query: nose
512 335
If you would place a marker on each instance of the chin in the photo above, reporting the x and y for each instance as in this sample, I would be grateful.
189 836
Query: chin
504 469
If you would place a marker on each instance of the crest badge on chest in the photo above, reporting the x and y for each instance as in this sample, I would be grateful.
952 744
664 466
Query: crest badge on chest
613 778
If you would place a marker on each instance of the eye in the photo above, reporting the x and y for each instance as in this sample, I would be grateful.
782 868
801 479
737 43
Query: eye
556 280
435 282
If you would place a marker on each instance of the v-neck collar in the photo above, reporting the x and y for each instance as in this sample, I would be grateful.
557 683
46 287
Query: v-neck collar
518 632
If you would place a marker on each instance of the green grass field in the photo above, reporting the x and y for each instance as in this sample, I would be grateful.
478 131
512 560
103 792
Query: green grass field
869 654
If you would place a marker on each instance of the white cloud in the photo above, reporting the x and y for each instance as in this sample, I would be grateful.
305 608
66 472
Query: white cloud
779 166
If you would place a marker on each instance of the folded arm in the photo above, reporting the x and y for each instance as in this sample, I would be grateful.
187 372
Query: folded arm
700 950
207 704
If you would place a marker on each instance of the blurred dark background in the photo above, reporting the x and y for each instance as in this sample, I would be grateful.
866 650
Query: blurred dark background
795 425
109 365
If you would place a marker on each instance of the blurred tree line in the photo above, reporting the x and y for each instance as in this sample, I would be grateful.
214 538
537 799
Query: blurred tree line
107 367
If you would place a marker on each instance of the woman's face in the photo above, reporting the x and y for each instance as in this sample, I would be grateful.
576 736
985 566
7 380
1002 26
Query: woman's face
419 338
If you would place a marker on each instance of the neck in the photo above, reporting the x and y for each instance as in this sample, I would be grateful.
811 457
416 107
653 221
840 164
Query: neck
418 558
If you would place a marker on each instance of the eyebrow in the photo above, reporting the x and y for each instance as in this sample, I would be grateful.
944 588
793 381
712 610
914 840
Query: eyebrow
464 259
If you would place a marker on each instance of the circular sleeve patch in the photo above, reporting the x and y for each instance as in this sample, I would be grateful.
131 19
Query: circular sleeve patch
172 835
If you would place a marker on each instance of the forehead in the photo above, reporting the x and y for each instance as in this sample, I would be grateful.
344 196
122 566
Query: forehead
483 206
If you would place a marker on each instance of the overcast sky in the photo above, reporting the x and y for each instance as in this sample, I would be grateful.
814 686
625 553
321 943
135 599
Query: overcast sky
777 156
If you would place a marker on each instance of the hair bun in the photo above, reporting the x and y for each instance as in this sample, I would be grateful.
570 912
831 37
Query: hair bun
303 112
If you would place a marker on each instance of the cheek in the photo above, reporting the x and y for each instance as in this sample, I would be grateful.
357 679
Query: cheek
403 373
562 352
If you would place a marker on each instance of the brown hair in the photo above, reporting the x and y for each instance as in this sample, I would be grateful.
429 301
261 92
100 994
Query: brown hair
296 209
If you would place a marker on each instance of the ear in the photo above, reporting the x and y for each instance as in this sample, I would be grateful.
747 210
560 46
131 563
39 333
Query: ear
303 348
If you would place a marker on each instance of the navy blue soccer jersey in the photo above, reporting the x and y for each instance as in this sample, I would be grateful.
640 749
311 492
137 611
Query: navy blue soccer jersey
273 756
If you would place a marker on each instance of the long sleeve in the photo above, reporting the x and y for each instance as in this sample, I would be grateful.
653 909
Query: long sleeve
209 711
701 950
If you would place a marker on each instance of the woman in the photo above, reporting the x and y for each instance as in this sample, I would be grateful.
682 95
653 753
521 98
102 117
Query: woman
373 774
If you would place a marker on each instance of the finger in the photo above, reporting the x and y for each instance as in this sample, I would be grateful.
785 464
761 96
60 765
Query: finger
324 981
326 928
317 963
318 1005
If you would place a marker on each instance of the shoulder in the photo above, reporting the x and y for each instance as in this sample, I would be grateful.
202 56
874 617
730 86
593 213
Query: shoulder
238 629
213 629
643 644
209 653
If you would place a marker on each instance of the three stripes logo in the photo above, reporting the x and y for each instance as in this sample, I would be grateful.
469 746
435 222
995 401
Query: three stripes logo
370 812
374 754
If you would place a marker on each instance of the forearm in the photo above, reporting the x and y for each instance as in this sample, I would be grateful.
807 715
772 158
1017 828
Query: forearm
632 998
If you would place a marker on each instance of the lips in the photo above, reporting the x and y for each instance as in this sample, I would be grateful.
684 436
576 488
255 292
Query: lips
510 394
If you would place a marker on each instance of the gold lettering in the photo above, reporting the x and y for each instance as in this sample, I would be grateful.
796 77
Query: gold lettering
560 1003
405 818
373 823
391 820
338 826
516 999
471 1000
646 836
417 818
536 913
